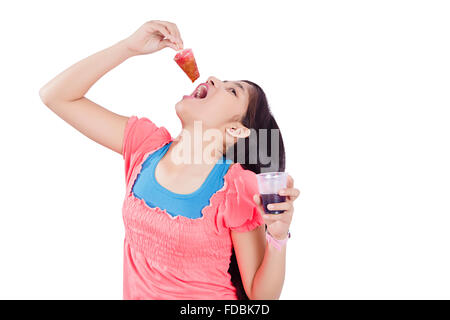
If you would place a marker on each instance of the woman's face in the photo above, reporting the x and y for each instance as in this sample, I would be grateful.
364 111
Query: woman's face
224 105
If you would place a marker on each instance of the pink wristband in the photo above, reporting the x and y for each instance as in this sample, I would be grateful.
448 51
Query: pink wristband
277 243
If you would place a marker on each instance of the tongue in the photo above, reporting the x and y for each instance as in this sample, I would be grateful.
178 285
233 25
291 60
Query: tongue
203 92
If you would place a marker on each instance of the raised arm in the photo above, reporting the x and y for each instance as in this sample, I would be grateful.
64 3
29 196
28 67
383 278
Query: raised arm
64 94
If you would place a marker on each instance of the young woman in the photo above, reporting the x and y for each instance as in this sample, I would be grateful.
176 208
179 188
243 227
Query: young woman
194 229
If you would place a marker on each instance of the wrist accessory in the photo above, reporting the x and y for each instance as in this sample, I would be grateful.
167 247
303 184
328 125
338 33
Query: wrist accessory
277 243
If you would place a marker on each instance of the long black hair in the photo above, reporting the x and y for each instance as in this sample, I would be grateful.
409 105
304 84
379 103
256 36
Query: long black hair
258 116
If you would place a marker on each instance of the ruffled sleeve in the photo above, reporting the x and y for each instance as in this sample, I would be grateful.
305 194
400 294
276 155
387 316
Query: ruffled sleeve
240 212
141 135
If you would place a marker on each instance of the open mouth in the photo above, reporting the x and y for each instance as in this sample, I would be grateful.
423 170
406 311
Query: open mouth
200 92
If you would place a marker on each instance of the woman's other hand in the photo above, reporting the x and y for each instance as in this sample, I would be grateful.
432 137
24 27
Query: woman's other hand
153 36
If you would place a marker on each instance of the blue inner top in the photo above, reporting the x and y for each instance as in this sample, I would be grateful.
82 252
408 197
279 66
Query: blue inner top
189 205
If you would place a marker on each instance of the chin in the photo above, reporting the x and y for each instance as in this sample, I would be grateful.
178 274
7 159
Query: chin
179 109
183 111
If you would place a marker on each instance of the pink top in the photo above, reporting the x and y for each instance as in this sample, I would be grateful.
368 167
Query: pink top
168 257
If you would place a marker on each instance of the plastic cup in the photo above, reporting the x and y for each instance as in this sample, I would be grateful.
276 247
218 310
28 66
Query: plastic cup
269 184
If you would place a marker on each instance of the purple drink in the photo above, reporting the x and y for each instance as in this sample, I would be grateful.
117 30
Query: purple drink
272 198
269 185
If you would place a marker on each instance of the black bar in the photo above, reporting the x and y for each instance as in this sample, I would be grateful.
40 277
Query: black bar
229 309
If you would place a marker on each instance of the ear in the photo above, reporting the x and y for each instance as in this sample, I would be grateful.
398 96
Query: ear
241 132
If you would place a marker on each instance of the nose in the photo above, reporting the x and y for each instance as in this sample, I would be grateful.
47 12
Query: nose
213 81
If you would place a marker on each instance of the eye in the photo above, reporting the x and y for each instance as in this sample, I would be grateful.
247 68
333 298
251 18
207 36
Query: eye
234 91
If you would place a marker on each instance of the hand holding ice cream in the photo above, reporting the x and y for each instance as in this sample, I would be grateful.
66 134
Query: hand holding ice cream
153 36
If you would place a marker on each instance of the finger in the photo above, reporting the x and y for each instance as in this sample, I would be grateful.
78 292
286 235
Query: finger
290 182
167 43
164 31
151 26
282 217
177 32
272 218
280 206
292 193
173 30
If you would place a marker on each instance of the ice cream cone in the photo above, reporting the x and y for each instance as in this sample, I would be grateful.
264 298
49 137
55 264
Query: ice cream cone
185 59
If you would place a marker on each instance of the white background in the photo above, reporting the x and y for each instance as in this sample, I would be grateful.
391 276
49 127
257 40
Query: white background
360 90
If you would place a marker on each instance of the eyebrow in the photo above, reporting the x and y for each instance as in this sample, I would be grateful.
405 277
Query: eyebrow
237 84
